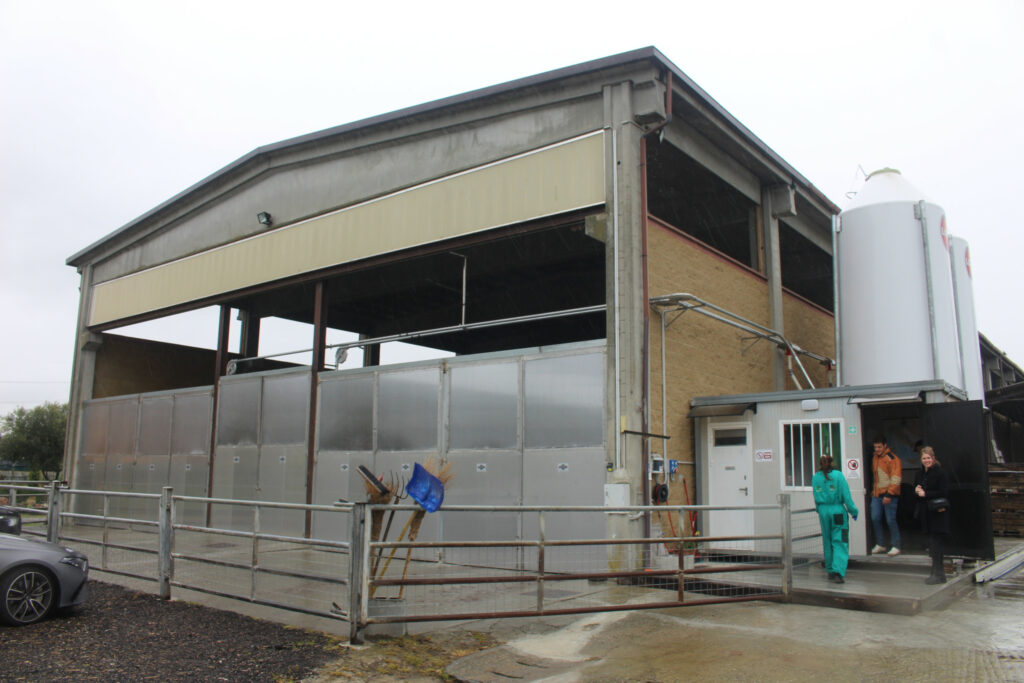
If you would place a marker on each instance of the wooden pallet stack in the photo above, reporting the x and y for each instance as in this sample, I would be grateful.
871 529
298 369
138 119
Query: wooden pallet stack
1006 483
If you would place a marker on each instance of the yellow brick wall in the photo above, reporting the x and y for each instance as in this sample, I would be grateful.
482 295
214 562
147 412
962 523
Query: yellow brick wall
813 329
706 357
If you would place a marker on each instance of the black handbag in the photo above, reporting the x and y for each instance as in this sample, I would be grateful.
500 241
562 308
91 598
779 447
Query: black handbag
938 504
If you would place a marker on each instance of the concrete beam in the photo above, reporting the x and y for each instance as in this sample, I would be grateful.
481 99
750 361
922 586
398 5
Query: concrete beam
821 239
713 158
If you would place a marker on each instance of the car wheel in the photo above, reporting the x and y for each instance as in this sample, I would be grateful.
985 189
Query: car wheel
27 595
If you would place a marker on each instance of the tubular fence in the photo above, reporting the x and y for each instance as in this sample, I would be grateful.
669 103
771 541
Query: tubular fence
534 565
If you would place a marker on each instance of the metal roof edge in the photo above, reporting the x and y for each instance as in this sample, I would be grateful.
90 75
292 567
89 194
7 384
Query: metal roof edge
829 392
744 131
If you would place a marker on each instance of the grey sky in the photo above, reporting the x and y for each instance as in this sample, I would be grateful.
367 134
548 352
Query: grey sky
110 108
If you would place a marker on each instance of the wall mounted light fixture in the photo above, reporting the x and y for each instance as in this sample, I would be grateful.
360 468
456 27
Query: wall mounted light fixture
265 218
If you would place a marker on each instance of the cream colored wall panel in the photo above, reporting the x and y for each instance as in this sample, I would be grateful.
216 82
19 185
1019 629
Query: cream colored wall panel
545 182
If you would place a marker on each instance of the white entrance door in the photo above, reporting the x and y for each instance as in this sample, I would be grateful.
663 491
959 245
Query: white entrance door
730 483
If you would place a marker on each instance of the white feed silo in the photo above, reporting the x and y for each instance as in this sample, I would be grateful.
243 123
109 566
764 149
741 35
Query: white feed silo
963 298
893 326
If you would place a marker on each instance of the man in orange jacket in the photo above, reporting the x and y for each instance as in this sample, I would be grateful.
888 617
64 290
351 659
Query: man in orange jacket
885 496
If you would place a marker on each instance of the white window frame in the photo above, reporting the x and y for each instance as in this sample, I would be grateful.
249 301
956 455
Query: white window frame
783 424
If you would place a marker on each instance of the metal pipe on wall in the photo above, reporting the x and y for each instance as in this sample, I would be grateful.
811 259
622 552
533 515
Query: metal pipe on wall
929 279
689 302
615 296
836 227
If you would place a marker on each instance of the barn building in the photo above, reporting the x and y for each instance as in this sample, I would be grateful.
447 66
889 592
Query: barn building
588 251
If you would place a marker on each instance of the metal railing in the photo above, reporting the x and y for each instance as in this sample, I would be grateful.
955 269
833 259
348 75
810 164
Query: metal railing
27 493
176 554
720 568
545 566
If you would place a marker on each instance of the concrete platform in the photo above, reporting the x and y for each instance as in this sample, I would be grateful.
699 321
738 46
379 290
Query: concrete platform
894 585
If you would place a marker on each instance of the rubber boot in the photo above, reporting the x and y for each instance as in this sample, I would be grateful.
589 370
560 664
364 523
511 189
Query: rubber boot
938 574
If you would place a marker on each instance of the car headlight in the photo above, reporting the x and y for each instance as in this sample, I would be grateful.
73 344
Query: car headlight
79 563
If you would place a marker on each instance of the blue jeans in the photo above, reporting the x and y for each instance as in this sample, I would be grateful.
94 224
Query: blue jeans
877 507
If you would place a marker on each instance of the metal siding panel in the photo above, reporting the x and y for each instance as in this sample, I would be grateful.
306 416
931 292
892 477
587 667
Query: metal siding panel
90 475
407 409
155 425
282 479
238 411
542 183
334 478
96 424
124 416
569 476
191 422
189 476
484 405
285 408
150 474
118 477
564 401
345 418
483 478
235 476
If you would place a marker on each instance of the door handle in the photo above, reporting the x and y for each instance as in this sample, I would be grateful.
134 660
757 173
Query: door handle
746 491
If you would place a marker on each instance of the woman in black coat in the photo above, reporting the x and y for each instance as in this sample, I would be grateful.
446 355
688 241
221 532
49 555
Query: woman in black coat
933 510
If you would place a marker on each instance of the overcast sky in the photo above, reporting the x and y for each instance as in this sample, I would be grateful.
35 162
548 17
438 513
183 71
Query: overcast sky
109 108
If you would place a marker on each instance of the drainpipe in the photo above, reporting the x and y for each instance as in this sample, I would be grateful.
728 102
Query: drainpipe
836 227
646 343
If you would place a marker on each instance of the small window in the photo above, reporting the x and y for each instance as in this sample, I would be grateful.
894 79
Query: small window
731 437
803 443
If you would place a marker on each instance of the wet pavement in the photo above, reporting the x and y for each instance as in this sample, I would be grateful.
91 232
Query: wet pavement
893 627
975 638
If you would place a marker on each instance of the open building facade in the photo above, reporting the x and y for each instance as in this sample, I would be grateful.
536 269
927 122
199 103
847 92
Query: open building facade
587 249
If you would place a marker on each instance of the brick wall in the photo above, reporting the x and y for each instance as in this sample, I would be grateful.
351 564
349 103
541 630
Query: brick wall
706 357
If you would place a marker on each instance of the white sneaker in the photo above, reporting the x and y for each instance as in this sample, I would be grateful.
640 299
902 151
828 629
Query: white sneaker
877 550
893 551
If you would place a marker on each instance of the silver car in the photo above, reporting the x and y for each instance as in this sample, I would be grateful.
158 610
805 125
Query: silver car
37 578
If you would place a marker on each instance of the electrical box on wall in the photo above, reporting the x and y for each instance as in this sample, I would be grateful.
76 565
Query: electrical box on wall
616 495
673 466
657 464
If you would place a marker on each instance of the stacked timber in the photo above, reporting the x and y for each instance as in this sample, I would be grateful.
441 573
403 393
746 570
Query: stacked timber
1006 484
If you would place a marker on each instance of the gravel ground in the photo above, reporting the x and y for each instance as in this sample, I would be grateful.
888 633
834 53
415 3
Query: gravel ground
124 635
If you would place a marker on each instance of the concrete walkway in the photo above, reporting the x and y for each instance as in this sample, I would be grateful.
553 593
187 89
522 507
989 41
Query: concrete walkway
977 637
892 626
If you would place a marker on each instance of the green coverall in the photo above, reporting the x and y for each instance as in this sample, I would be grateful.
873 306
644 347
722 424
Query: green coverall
832 500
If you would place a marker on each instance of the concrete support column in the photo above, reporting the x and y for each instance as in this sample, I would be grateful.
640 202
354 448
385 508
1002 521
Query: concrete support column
249 341
626 306
773 271
83 374
319 346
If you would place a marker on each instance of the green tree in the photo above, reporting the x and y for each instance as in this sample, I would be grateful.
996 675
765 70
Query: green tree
35 438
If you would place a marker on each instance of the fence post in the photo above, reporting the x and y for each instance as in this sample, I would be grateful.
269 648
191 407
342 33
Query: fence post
165 569
786 524
53 513
356 575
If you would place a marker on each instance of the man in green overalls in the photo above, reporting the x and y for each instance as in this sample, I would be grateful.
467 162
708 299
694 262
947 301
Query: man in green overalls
832 500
